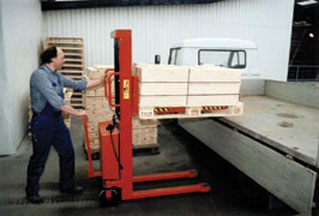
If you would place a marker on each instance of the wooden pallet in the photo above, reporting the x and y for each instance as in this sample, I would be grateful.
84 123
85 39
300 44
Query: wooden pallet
190 112
73 48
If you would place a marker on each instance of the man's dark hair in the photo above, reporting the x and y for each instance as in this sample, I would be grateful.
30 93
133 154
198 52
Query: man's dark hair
48 54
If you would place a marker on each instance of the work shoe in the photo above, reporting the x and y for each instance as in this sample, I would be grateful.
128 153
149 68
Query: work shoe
35 199
74 190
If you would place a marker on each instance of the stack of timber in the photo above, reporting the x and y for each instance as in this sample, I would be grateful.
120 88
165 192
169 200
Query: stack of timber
73 48
145 134
171 91
98 110
67 97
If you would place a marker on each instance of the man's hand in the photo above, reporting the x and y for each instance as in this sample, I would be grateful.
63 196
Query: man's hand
80 112
101 79
72 111
96 82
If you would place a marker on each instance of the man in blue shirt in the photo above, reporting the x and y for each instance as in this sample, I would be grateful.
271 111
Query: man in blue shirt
47 124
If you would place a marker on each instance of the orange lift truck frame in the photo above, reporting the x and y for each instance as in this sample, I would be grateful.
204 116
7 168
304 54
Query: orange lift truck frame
117 160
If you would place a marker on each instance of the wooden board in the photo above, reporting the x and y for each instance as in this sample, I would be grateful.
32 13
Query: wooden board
144 136
140 124
53 38
96 91
97 108
291 128
289 181
69 50
213 88
163 89
162 73
212 100
214 74
72 65
162 101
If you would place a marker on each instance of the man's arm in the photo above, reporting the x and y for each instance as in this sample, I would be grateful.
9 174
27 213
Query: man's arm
80 84
94 83
81 112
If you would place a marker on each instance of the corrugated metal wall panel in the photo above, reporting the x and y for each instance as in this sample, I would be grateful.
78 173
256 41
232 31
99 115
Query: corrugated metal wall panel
155 28
20 35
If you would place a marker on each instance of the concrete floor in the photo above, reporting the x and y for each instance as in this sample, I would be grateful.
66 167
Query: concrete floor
178 151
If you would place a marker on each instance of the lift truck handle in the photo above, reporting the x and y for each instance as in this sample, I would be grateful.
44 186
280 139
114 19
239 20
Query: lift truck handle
105 81
109 96
90 170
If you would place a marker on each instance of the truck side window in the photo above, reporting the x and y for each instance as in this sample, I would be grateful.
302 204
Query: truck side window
174 56
223 58
238 60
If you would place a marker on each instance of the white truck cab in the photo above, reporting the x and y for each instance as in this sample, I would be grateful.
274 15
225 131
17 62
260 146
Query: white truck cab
223 52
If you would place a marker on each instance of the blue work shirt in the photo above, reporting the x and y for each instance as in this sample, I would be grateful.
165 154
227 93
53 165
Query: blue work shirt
45 85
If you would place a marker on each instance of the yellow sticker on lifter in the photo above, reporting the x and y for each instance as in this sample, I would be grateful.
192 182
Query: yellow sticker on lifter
126 89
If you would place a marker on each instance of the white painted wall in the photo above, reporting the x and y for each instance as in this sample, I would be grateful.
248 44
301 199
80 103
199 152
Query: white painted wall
155 28
20 35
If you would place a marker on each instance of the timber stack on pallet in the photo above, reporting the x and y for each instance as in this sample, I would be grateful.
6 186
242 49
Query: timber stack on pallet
171 91
73 48
98 110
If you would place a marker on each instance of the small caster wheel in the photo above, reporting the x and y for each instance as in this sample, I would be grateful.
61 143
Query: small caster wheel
110 202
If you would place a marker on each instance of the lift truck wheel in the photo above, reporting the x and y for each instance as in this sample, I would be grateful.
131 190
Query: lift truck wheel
110 202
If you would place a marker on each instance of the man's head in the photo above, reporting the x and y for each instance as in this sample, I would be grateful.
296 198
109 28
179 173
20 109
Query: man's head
53 56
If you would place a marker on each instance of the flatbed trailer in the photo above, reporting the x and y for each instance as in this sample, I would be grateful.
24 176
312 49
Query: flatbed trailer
275 142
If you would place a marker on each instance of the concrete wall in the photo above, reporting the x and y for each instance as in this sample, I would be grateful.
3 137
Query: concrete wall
266 22
20 29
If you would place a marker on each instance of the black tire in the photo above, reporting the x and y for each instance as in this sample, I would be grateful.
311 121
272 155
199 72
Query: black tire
110 202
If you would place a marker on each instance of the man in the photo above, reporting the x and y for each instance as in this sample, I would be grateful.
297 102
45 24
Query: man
47 124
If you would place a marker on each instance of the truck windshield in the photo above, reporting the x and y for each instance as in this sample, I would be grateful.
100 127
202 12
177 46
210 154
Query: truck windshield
223 58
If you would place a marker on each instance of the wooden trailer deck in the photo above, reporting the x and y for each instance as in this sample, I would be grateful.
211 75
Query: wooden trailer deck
288 127
275 142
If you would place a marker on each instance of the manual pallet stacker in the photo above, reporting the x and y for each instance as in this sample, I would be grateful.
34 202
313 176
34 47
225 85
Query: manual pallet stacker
116 136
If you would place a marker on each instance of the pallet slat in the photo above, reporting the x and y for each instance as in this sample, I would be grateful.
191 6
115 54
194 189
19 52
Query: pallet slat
73 54
73 65
66 43
71 71
71 48
49 38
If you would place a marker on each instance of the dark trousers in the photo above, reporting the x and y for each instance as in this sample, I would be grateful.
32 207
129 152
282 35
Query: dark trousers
47 131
